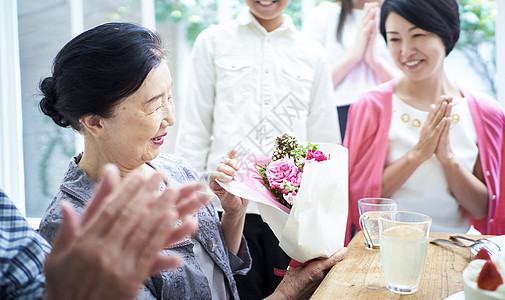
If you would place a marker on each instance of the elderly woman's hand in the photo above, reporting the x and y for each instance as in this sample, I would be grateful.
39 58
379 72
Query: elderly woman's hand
225 172
301 282
232 221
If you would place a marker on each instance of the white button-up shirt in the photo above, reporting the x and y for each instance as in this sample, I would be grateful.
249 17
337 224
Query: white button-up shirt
248 86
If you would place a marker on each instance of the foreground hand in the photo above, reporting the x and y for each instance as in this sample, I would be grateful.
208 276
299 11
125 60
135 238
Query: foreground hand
301 282
111 251
225 173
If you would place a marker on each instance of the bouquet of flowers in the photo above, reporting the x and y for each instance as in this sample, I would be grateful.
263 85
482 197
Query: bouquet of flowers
302 194
283 174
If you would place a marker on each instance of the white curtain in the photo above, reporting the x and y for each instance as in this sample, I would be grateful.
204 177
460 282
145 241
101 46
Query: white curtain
11 125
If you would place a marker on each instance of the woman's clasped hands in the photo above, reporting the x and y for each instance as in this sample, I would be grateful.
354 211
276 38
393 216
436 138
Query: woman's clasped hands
434 136
363 46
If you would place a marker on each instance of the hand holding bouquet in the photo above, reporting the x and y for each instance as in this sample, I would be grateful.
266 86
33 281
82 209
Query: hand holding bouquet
301 192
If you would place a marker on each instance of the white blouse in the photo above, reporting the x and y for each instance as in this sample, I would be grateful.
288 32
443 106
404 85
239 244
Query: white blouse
426 190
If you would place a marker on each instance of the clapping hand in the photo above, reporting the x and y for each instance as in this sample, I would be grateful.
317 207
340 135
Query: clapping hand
434 137
370 17
117 244
367 29
443 150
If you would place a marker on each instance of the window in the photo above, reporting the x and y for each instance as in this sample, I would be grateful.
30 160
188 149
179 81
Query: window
34 152
11 147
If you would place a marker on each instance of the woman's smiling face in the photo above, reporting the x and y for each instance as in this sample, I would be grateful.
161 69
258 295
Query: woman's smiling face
417 52
136 131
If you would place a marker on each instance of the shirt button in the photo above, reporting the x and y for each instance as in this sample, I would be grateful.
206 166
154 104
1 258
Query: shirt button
267 71
211 245
267 102
488 173
494 197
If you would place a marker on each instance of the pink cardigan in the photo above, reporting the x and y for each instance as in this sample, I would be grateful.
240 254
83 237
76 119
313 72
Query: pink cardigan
367 136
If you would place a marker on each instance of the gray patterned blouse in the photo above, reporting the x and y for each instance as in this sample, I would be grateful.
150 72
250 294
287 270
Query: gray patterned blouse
185 282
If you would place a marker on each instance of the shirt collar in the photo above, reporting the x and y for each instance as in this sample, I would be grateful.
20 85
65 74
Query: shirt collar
245 18
76 182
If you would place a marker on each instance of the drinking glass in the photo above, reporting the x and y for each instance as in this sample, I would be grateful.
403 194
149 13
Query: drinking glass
404 240
369 210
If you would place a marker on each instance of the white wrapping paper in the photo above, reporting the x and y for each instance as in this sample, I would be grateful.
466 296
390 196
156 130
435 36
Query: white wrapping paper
315 226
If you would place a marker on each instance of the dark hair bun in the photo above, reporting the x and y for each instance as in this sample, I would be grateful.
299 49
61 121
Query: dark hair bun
48 102
96 70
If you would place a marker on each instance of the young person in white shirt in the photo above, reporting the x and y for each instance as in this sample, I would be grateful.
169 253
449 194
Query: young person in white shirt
251 80
359 58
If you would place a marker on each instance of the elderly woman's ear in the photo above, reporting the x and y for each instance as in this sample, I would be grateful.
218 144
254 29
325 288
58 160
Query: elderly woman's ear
92 123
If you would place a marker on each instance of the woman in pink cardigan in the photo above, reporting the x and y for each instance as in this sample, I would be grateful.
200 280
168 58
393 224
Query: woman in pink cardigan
423 140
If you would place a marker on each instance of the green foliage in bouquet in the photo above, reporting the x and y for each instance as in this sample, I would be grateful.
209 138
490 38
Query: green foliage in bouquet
283 146
286 146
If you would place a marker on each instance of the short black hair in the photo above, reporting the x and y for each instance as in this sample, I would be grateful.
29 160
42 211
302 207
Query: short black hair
97 69
438 16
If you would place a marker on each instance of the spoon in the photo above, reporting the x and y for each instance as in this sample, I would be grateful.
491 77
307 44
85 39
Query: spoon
491 247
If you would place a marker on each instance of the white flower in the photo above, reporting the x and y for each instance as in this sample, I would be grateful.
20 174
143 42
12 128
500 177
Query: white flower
289 197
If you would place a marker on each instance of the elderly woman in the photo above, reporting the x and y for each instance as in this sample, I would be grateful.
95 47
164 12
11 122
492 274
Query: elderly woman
421 138
113 85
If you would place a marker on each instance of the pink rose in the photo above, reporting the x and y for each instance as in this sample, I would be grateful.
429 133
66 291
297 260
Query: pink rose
316 154
280 170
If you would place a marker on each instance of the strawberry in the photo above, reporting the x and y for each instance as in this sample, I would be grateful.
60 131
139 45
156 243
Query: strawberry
482 254
489 279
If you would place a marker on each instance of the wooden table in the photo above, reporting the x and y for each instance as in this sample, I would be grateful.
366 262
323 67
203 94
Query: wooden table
360 274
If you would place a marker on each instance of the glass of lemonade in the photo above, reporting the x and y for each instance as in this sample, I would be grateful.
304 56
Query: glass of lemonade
404 241
369 210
